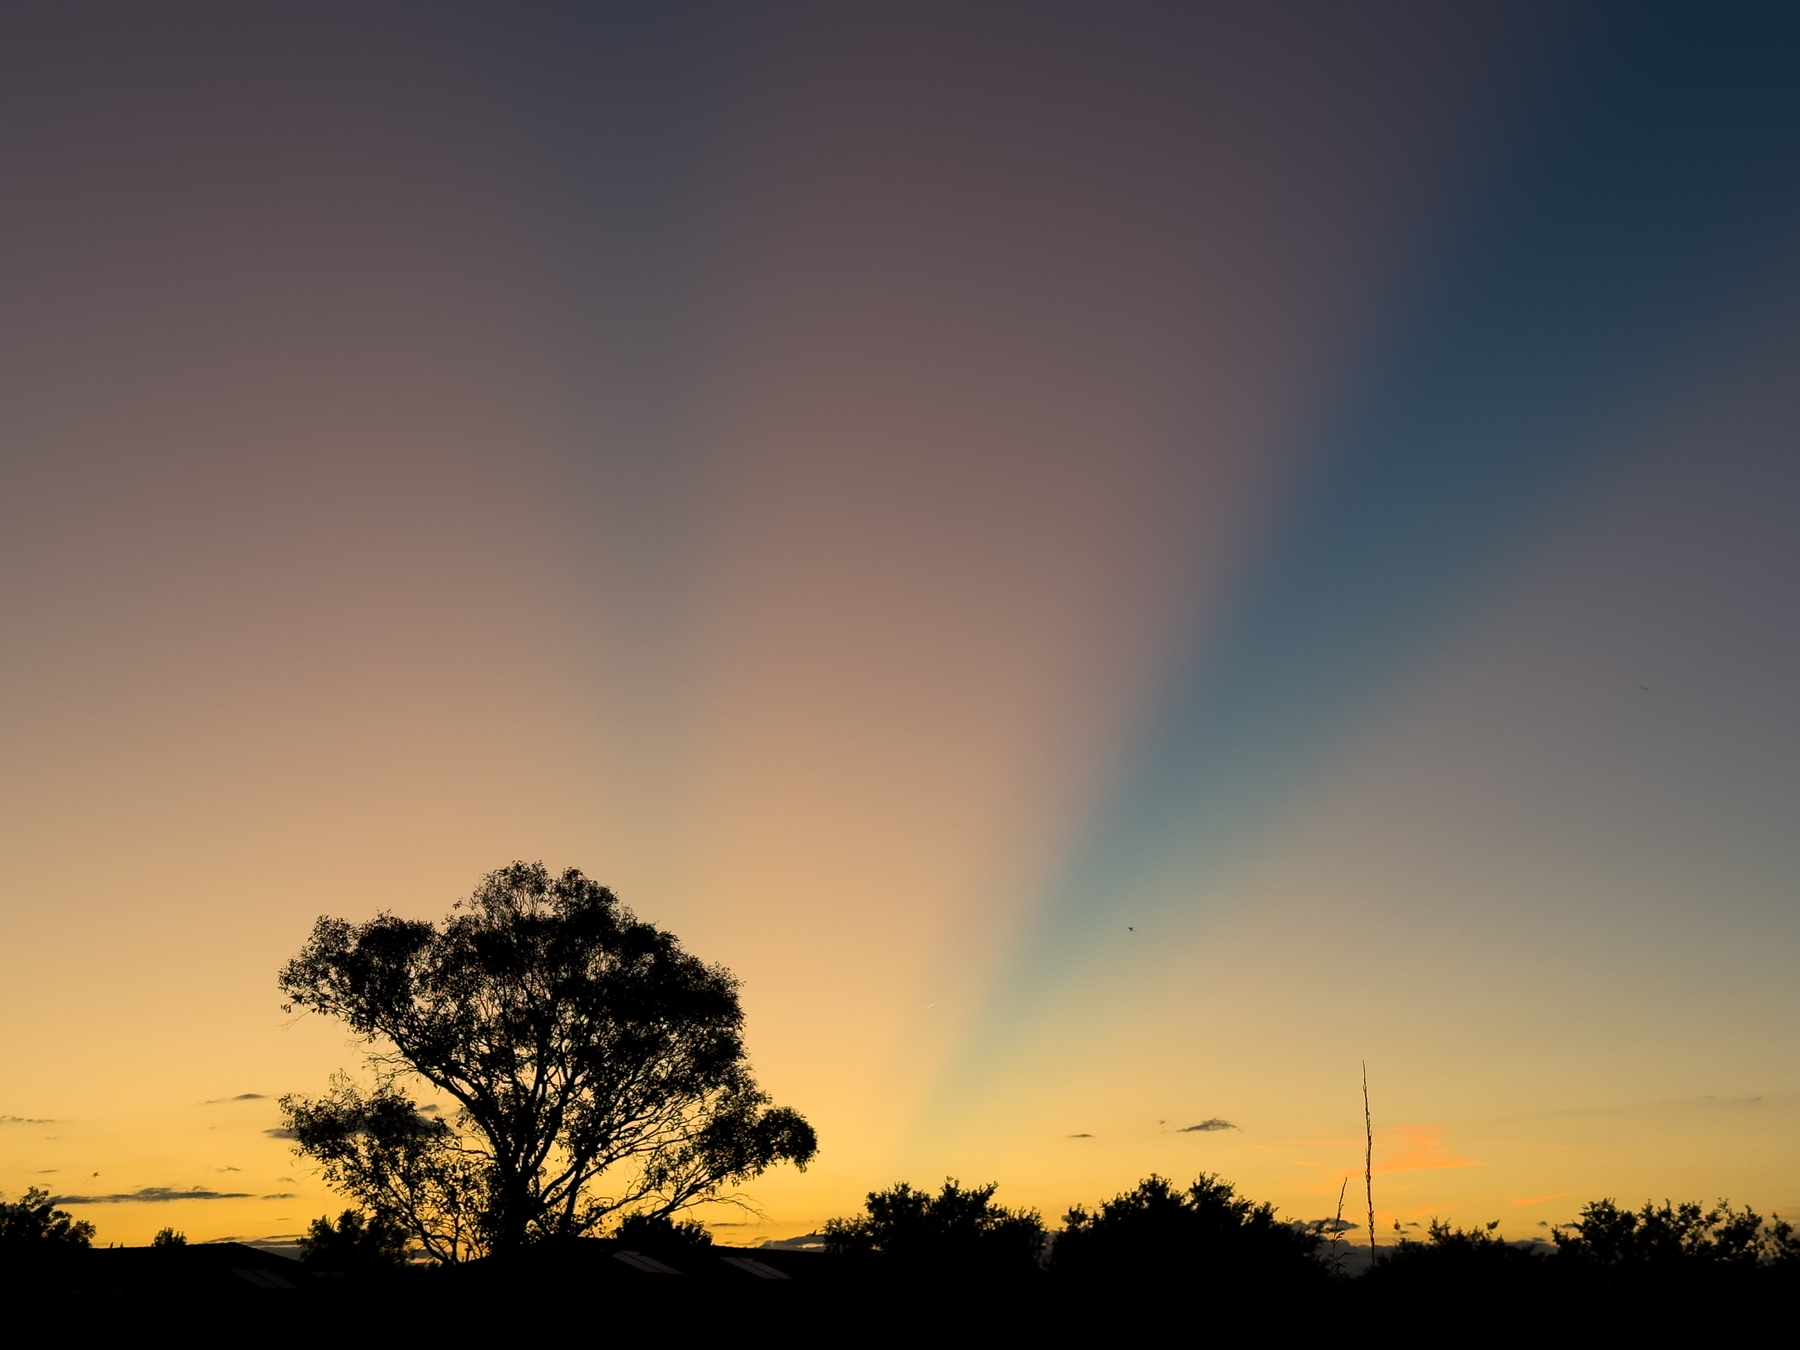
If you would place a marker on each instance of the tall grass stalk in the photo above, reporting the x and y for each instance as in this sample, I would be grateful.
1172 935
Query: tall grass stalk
1337 1230
1369 1159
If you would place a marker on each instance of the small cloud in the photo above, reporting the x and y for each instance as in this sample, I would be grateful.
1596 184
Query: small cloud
1420 1151
241 1097
149 1195
429 1109
280 1132
228 1169
25 1120
805 1242
1208 1126
1081 1136
286 1179
1525 1200
280 1195
46 1171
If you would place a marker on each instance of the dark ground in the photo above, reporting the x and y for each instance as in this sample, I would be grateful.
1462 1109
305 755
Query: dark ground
594 1292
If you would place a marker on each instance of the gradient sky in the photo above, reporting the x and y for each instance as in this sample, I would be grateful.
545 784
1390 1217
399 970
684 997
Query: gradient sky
1114 562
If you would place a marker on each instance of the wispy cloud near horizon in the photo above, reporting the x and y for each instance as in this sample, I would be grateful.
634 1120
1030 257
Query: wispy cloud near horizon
154 1195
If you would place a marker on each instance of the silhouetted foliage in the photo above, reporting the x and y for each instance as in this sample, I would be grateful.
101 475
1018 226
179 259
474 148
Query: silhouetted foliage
1652 1270
31 1226
578 1042
958 1232
1672 1237
168 1237
660 1233
410 1169
1157 1234
357 1244
1453 1259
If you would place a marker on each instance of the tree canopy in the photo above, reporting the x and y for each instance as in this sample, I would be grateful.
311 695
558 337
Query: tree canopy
357 1244
1665 1236
32 1225
1158 1232
960 1231
598 1070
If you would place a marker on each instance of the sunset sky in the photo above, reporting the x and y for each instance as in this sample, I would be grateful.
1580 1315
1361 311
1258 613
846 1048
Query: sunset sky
1114 562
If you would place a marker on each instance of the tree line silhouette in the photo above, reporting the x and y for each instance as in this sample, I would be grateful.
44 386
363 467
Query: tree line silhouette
601 1090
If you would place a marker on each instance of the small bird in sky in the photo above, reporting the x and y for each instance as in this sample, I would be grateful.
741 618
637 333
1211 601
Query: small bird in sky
1130 929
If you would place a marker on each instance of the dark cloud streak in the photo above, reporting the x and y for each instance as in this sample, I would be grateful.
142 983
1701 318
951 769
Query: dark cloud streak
149 1195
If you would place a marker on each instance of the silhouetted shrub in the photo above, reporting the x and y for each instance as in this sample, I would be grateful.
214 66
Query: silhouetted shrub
958 1233
355 1245
1669 1258
1459 1263
1159 1236
1629 1270
168 1237
660 1233
1669 1238
29 1226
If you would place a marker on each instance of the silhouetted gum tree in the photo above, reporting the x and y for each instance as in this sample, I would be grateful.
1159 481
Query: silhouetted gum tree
599 1070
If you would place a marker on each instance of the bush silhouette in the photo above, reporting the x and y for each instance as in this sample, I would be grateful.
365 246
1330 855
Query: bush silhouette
958 1233
1670 1239
168 1237
356 1244
1636 1270
1158 1235
660 1233
1458 1262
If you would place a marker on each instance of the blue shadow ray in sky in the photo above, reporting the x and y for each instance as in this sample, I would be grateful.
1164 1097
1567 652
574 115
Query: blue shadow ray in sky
1638 208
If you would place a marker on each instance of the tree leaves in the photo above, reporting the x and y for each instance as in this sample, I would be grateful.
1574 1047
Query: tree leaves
580 1044
959 1232
31 1226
